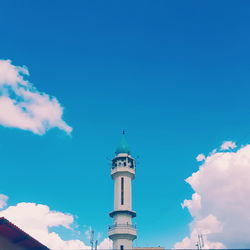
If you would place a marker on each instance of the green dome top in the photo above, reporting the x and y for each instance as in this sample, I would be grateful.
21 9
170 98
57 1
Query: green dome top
123 146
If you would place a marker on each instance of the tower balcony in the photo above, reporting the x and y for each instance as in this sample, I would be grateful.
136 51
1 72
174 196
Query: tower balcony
122 230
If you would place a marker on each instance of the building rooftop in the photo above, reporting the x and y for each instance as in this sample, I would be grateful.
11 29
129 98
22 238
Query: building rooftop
148 248
18 237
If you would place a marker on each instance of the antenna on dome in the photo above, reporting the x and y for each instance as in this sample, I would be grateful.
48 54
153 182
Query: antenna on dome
93 243
197 245
92 239
96 244
200 243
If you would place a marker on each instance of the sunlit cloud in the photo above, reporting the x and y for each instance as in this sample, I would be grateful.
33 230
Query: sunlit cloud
23 106
39 220
220 203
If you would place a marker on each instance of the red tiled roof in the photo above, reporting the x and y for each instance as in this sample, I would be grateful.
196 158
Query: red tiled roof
19 237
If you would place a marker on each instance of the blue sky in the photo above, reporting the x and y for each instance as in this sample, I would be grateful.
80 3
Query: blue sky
174 75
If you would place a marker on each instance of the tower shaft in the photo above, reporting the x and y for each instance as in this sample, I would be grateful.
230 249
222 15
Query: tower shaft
122 232
122 192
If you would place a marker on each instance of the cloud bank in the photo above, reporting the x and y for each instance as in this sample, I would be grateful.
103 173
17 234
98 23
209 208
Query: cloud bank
23 106
220 204
39 220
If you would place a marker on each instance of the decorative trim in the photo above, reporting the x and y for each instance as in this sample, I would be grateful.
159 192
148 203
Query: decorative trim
113 213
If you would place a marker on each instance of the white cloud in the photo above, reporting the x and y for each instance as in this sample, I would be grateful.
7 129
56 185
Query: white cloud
105 244
38 221
200 157
226 145
193 205
205 226
23 106
3 200
220 205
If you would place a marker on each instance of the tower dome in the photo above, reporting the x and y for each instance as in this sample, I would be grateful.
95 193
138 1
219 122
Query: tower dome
123 147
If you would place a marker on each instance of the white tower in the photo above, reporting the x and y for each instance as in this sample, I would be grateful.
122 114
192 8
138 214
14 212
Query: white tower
122 232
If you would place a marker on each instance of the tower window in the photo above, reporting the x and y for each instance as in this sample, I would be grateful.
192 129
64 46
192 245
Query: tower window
122 191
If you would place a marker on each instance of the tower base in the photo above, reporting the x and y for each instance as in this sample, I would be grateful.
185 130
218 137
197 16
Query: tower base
122 244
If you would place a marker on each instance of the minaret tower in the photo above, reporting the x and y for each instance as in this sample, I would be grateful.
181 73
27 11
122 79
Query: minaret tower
122 232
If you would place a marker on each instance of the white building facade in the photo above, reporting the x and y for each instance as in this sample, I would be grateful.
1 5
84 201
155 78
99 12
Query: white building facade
122 232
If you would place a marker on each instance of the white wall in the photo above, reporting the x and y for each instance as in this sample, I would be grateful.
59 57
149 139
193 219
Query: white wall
127 244
123 219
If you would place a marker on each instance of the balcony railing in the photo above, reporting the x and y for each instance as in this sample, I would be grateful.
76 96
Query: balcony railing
122 229
122 226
